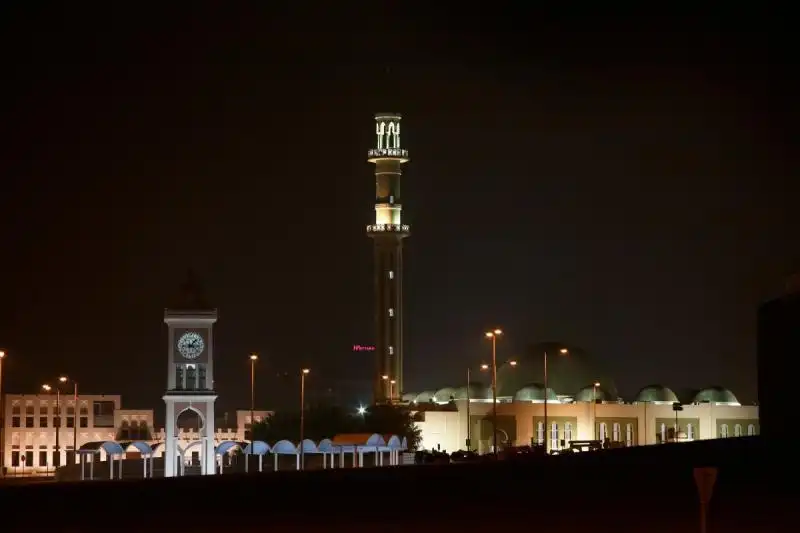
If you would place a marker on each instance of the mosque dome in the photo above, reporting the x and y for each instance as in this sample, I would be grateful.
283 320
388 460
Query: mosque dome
444 395
534 392
477 391
410 396
716 395
425 396
656 393
566 372
590 393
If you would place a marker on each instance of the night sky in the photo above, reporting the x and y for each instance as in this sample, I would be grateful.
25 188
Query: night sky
621 185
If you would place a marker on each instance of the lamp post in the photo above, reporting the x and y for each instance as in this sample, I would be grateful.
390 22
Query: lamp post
562 351
676 406
469 423
57 456
594 408
303 374
2 420
493 335
75 417
391 387
253 359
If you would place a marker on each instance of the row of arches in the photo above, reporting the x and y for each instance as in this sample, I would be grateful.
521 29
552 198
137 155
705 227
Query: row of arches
333 452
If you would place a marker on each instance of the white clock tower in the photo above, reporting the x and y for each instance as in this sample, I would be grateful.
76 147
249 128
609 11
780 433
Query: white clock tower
190 375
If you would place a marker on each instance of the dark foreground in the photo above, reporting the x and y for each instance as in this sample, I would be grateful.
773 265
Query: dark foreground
643 489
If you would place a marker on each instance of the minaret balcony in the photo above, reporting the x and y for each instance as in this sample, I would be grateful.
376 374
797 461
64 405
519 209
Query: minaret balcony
377 229
388 153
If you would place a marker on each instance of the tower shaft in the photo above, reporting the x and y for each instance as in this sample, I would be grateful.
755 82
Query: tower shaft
388 233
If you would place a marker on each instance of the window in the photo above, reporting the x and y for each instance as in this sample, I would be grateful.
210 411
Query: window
15 458
663 433
56 458
554 436
391 274
29 410
42 421
43 410
391 312
179 377
723 431
70 421
391 199
84 421
201 377
540 432
42 457
603 430
628 434
568 432
28 457
15 422
737 430
28 421
103 414
616 433
751 429
391 350
689 432
71 410
191 377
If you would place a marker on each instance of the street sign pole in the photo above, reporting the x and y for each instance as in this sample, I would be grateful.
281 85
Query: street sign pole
704 478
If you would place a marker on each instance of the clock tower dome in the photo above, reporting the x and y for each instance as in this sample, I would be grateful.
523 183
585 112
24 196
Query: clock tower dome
190 374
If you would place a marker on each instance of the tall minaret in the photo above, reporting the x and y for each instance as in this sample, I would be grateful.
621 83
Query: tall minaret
388 233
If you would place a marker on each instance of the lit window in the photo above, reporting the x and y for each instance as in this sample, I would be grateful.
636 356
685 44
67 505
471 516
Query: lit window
663 433
616 435
568 432
737 430
751 430
391 274
603 429
554 436
689 432
628 434
540 432
391 199
723 431
391 311
391 350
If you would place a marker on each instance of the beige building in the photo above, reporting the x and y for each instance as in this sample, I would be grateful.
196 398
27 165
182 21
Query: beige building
650 419
29 435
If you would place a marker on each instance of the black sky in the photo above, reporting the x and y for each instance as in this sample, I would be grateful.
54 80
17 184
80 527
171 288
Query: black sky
621 184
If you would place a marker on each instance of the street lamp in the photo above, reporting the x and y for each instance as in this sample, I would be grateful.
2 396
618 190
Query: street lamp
2 419
391 387
493 335
594 408
303 374
75 418
562 351
253 359
57 420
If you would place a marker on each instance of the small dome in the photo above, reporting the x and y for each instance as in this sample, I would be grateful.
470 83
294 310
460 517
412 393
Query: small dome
534 392
410 396
424 397
716 395
477 391
656 393
444 395
590 393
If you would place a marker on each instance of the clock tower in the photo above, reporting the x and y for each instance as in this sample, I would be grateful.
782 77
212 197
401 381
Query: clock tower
190 374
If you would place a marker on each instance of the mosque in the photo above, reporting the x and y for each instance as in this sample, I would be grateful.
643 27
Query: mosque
580 403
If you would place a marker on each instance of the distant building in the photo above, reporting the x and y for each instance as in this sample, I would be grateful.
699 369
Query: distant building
30 433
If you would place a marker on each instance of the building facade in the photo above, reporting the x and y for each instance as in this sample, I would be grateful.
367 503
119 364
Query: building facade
30 429
388 233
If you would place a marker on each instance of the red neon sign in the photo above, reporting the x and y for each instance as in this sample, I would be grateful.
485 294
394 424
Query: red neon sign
361 348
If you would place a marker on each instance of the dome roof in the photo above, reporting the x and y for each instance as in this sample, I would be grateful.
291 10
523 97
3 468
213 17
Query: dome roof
566 373
590 393
656 393
424 397
444 395
716 395
534 392
410 396
477 391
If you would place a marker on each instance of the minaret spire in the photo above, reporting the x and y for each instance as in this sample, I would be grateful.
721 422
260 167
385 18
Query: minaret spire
388 233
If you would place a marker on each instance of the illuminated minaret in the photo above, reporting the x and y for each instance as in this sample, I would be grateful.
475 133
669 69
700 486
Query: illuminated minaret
388 233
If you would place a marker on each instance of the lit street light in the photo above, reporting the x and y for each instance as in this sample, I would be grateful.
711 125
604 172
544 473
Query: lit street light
303 374
391 387
493 335
2 419
75 418
562 351
253 359
362 410
594 408
57 422
484 367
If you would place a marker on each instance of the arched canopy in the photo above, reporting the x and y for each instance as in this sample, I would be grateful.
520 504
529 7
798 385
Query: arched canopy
140 446
375 440
394 443
284 447
108 446
308 446
258 447
325 446
227 445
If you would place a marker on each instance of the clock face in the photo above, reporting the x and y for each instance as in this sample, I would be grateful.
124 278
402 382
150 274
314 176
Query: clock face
191 345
